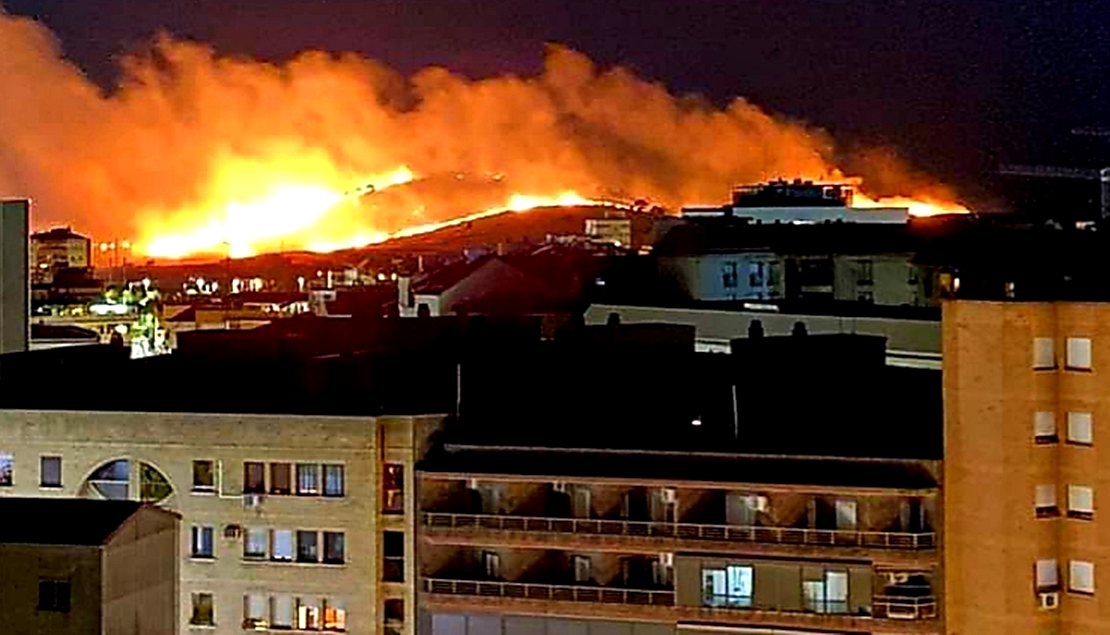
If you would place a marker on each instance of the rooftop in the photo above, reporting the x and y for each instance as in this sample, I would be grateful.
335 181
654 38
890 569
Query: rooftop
54 521
58 233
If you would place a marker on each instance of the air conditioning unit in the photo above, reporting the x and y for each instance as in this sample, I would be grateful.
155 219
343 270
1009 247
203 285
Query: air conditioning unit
1049 601
252 501
233 531
670 496
559 486
666 559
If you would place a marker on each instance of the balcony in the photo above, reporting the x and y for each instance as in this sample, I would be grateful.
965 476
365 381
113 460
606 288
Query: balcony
549 592
895 607
685 531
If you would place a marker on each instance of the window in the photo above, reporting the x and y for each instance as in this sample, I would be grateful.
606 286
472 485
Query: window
1081 577
333 547
1079 353
393 566
308 615
281 479
254 478
845 514
729 277
284 613
283 545
755 274
255 609
308 479
50 471
204 476
731 586
1044 353
1081 502
491 564
1080 430
393 489
255 545
54 596
333 480
1046 575
335 617
866 272
583 569
307 550
394 612
202 542
1044 501
203 614
7 463
1044 427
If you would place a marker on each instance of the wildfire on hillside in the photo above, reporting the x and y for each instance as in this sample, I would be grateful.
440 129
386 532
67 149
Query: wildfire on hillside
194 153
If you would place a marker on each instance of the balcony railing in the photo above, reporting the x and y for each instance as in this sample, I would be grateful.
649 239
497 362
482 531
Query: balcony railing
553 592
691 531
895 607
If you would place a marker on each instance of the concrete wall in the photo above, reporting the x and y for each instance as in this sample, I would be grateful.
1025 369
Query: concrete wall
15 285
141 575
494 624
24 565
716 277
883 279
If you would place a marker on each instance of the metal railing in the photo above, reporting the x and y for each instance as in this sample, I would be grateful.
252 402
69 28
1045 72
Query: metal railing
553 592
691 531
895 607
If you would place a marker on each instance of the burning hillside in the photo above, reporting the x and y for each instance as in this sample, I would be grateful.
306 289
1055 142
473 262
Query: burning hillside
196 153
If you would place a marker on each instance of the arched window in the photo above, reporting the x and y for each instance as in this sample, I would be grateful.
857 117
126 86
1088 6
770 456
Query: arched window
117 480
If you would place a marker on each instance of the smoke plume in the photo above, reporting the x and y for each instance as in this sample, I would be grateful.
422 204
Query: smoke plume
187 132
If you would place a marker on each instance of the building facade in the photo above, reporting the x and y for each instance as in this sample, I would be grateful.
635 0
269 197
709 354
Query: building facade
1026 550
643 546
59 248
15 284
286 520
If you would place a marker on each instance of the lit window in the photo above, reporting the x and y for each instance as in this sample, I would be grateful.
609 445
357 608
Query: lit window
1044 353
50 471
204 476
203 613
308 615
54 596
1045 501
731 586
393 489
846 518
281 479
255 608
7 468
333 480
254 478
307 549
1079 353
1081 576
1081 502
335 617
283 545
1046 574
1080 429
334 547
201 542
308 479
284 613
255 545
1044 427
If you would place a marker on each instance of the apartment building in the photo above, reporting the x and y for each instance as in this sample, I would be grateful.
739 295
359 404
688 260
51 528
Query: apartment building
1025 466
288 522
575 541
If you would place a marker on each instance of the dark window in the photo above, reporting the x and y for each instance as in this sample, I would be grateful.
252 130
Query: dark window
254 478
307 550
393 489
204 475
393 565
333 480
202 610
333 547
54 595
202 542
50 471
395 612
281 479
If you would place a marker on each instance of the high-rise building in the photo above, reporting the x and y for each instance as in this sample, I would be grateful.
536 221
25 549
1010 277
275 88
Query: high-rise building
14 282
1025 547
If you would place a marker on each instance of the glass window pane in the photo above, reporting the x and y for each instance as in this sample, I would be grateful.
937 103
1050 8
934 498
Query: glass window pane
254 478
308 478
335 618
1044 424
7 463
283 544
333 480
283 611
393 488
1046 573
333 547
255 545
1079 353
204 475
307 547
153 485
1043 354
50 471
281 480
308 615
1079 427
739 585
202 610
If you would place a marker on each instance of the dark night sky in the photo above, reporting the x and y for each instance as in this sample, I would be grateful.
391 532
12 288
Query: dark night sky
956 85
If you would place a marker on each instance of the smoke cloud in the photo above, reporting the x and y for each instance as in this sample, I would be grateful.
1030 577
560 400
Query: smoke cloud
187 131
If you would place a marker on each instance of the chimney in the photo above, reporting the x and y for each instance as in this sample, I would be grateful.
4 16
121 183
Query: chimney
14 279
